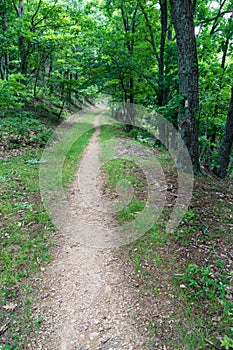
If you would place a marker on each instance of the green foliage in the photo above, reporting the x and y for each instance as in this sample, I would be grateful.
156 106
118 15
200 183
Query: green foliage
24 241
215 54
227 342
203 284
170 110
68 53
118 170
12 93
22 131
202 292
26 231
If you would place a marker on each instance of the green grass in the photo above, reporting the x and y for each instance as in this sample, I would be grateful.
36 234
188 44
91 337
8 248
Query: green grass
27 234
141 252
118 170
204 314
208 289
25 241
75 153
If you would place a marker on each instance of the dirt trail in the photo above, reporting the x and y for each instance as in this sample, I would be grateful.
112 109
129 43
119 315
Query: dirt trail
84 300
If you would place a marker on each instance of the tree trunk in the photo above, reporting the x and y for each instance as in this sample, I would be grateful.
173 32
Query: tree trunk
182 18
130 30
225 48
4 59
23 48
226 145
36 82
2 68
23 52
162 90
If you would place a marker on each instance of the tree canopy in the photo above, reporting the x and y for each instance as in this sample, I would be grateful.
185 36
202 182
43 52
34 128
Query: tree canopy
172 56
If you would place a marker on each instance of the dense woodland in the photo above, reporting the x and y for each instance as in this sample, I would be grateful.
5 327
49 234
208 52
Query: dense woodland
172 56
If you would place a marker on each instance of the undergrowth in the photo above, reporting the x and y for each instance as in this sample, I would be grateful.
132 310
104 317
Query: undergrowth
23 130
193 262
27 233
25 240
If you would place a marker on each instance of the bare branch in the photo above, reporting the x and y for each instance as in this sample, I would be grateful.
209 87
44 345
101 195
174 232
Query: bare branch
215 17
152 41
218 15
19 9
35 14
45 16
16 8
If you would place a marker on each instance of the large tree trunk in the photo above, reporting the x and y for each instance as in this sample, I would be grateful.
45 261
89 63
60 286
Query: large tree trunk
226 144
182 18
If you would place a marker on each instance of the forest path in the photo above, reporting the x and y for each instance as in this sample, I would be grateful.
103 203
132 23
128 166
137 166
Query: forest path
84 299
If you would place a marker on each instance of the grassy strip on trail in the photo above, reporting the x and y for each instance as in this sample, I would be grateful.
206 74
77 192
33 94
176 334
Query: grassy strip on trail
26 235
184 278
122 169
74 155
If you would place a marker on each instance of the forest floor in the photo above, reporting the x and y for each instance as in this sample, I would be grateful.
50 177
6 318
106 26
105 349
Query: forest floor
160 292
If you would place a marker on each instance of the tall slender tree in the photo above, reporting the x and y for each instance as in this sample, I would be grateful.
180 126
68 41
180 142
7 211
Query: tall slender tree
4 50
226 145
24 46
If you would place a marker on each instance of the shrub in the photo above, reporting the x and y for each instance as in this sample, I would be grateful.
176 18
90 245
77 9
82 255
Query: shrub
22 131
12 93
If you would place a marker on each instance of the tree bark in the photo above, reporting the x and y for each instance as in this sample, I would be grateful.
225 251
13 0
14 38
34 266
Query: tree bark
226 145
182 18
